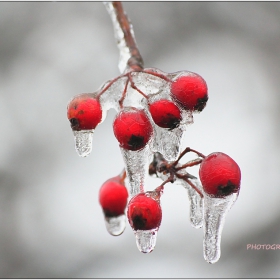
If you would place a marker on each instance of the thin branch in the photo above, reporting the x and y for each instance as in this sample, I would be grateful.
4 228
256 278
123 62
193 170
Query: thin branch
187 150
130 58
184 177
123 94
189 164
135 87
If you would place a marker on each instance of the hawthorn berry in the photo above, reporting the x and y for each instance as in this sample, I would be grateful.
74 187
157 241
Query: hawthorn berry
144 212
165 114
220 175
113 197
132 128
190 91
84 112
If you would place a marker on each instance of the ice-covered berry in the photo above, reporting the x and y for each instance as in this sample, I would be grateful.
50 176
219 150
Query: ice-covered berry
132 128
190 91
113 197
165 113
84 112
144 212
220 175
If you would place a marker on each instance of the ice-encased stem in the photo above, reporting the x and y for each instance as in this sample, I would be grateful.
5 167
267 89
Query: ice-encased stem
215 211
83 142
129 54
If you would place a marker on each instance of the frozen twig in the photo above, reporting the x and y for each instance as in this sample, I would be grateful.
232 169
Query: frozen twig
130 58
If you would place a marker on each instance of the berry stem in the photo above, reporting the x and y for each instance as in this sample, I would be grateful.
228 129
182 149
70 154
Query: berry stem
189 164
123 94
157 75
109 84
185 178
122 176
187 150
135 87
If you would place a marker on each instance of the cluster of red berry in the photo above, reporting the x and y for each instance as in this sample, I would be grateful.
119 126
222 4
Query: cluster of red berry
134 127
220 176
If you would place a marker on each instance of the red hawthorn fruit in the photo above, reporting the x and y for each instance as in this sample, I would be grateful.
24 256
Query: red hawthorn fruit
132 128
113 197
190 91
165 114
220 175
84 112
144 212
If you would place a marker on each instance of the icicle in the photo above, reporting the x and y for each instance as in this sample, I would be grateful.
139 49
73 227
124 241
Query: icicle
215 210
196 202
146 240
196 205
167 142
136 165
83 142
115 225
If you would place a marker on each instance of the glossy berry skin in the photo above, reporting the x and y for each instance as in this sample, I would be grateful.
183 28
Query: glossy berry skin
144 212
165 114
113 197
84 112
220 175
132 129
190 91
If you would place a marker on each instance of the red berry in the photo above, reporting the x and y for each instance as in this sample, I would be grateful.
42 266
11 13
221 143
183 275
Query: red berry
165 114
220 175
190 91
144 212
113 197
84 112
132 129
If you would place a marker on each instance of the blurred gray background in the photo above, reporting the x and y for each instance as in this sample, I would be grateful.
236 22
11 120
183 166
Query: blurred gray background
51 225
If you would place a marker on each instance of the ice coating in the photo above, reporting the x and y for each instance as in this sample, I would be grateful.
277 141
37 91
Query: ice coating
115 225
110 94
196 201
136 166
168 142
151 84
215 211
83 142
196 204
146 240
134 99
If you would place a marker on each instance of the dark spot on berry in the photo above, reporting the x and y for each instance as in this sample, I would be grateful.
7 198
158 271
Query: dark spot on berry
136 142
201 103
74 123
108 213
228 189
139 222
81 112
172 122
